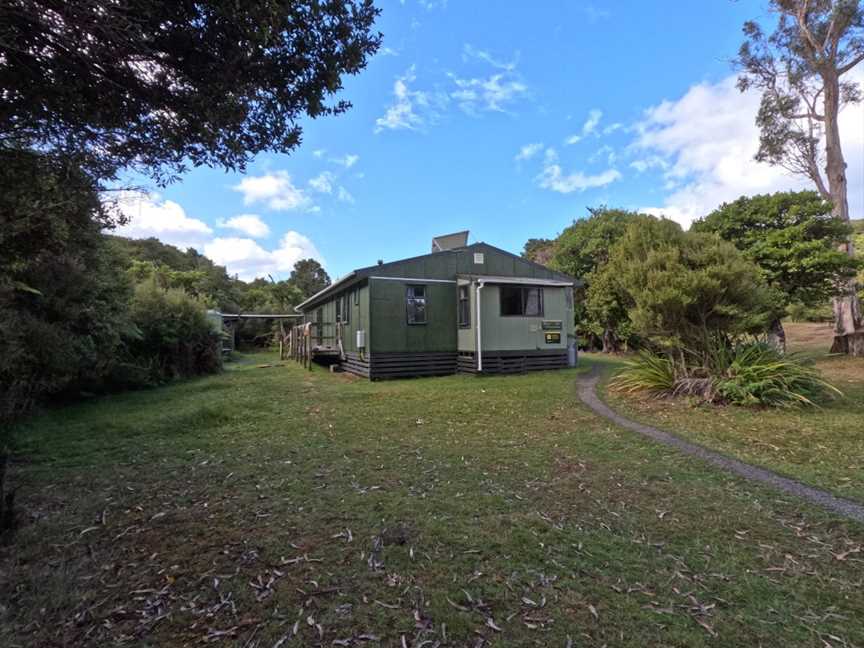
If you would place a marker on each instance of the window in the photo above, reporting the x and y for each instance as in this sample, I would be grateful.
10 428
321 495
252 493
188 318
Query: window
415 302
357 297
521 300
343 308
464 307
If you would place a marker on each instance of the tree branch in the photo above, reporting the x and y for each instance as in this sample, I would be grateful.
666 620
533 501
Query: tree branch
851 64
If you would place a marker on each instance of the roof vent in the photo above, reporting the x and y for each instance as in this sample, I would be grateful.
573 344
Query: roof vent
450 241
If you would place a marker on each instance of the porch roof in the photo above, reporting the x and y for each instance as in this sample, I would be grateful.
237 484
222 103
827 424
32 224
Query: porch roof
524 281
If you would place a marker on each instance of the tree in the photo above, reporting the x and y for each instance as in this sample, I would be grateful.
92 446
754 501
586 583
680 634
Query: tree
63 298
800 70
156 86
581 251
539 250
687 292
309 277
793 237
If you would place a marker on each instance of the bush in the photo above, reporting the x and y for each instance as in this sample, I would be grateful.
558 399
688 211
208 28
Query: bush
175 339
684 290
63 299
745 374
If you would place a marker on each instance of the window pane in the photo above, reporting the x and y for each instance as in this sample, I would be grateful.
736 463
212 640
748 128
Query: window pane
464 307
534 302
416 304
511 300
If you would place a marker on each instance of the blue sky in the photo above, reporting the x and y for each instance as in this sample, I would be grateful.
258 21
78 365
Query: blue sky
504 118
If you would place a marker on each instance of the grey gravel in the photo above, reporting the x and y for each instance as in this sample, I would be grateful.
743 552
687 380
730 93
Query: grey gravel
587 386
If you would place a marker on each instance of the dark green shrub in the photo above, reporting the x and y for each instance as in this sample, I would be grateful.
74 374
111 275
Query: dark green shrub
175 339
63 299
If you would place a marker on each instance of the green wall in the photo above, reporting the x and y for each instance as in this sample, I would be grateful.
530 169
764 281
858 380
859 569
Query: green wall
358 317
522 333
389 329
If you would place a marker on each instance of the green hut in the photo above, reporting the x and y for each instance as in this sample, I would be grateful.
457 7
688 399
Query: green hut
461 308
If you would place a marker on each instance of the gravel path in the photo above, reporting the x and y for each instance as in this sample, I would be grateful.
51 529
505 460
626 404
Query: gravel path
588 394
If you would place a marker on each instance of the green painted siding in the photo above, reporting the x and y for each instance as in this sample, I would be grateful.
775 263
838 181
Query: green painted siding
389 328
358 317
522 333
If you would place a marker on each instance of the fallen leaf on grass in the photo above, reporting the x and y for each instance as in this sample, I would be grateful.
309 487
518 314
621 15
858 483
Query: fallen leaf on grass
845 554
491 623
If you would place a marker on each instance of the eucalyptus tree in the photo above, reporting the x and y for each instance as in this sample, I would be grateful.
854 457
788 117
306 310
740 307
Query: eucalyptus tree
802 69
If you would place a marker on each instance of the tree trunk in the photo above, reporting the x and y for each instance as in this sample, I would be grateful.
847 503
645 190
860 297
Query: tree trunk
847 306
777 336
610 342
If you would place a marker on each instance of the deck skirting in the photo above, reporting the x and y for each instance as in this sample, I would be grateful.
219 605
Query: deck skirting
509 362
445 363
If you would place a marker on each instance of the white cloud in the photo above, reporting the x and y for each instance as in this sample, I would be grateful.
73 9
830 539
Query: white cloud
595 14
151 215
404 113
529 151
323 182
591 123
249 224
247 259
604 151
431 5
343 195
650 162
708 138
491 94
471 52
319 153
553 178
590 126
274 190
348 160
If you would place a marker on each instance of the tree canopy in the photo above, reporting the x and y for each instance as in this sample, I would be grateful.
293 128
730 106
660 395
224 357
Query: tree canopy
582 250
794 239
584 246
309 277
160 85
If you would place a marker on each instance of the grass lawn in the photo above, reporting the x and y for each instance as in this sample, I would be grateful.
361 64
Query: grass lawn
277 507
823 447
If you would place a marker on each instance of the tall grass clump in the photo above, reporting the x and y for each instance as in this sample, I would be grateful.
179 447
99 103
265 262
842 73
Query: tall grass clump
747 374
